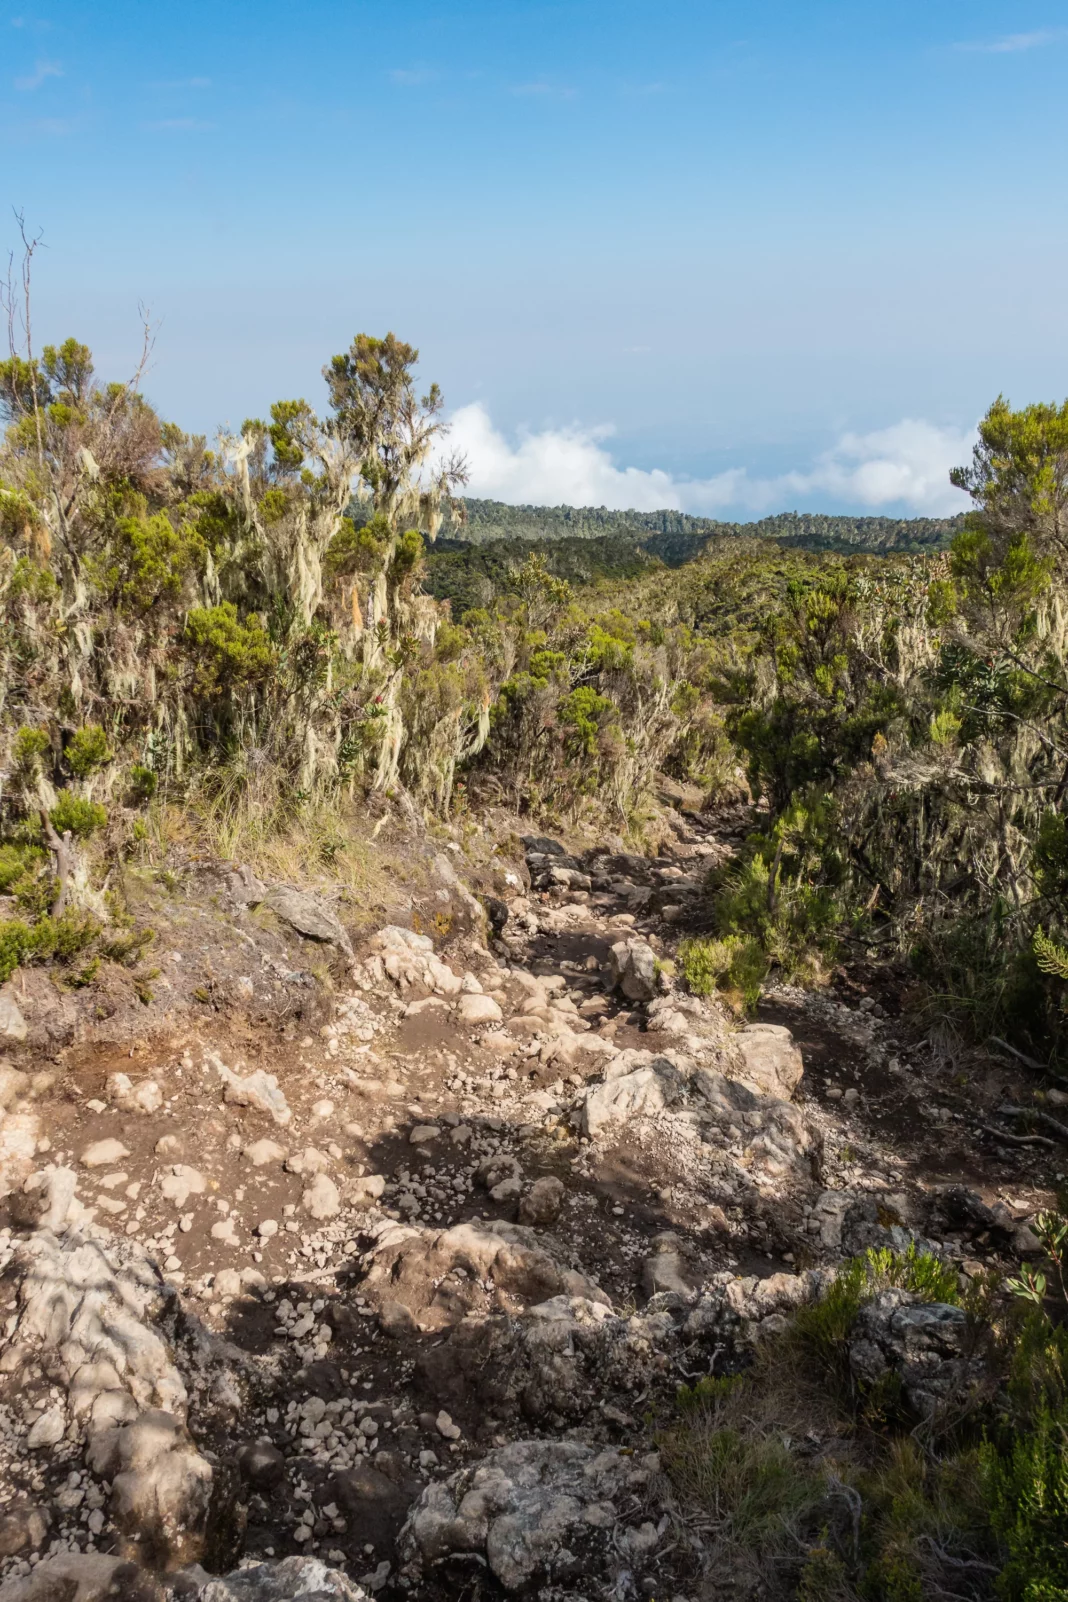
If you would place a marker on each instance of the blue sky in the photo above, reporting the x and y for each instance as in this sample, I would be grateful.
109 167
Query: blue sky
733 257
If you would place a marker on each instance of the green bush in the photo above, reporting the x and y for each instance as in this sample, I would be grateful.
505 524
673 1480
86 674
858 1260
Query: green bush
1027 1489
16 863
80 817
143 782
88 751
736 963
60 937
14 942
227 651
155 559
30 745
359 550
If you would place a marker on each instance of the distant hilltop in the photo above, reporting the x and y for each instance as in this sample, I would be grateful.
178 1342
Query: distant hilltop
676 536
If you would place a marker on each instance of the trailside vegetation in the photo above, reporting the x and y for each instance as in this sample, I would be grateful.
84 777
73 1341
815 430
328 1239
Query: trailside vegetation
251 618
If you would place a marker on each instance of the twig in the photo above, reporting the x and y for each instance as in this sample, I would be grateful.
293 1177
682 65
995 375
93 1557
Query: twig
1029 1062
1017 1140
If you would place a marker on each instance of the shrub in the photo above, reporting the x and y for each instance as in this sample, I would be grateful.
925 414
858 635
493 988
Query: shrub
227 651
143 782
14 940
359 550
16 862
80 817
60 937
30 745
156 559
88 751
735 963
1027 1489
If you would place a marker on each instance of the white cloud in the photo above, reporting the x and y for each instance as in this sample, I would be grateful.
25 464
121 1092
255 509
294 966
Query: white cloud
412 77
178 125
42 70
1012 43
902 467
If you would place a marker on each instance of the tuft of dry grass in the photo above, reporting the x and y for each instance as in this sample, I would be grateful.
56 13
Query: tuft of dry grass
255 817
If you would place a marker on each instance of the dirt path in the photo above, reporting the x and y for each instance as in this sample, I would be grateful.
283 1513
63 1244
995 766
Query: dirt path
481 1222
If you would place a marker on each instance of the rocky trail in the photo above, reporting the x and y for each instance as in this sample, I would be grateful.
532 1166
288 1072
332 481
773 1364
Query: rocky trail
395 1303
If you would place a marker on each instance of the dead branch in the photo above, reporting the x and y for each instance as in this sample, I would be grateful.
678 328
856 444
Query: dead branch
1017 1140
59 845
1042 1118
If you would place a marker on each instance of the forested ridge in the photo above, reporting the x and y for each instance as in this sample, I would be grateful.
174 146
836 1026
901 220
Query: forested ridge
668 532
260 649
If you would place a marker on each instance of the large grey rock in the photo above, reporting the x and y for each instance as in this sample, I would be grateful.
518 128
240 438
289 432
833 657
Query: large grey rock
161 1489
632 969
927 1345
552 1366
640 1094
734 1313
536 1512
772 1064
308 915
439 1276
86 1307
305 1578
776 1140
83 1577
23 1526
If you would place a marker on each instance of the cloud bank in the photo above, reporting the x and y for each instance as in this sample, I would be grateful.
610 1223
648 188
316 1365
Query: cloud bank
902 468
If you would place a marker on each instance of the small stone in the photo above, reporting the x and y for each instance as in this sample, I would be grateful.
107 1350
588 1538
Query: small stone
261 1152
181 1183
422 1133
267 1228
49 1428
446 1427
543 1201
23 1527
262 1465
145 1097
321 1199
13 1025
479 1009
104 1154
